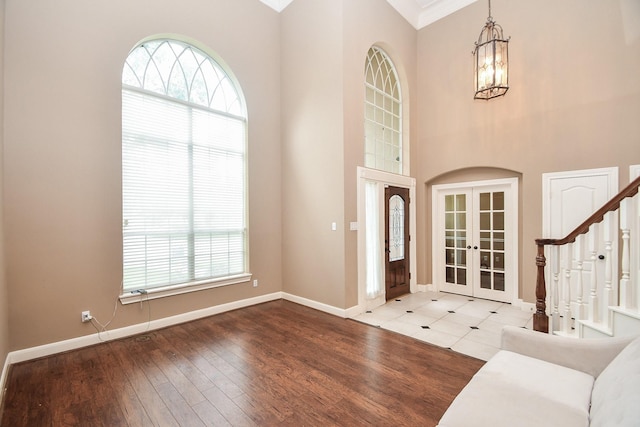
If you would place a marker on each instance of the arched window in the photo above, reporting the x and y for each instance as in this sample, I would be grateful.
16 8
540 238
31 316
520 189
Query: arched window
383 114
183 169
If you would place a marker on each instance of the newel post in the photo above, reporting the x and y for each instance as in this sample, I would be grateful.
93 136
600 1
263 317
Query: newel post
540 318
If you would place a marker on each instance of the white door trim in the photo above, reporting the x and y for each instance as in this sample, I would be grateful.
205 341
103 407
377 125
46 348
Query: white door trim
382 178
512 245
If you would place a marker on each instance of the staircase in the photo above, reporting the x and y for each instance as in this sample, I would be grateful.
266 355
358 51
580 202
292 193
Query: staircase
592 285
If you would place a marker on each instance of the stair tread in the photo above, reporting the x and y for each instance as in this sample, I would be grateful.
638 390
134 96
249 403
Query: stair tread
572 334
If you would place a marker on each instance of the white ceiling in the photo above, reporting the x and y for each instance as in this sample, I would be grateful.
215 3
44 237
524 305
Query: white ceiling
419 13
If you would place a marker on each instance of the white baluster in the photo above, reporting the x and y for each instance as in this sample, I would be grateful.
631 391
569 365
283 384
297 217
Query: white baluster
566 315
555 294
607 296
577 254
593 294
625 291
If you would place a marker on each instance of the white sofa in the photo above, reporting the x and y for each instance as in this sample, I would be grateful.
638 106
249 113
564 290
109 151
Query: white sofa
538 380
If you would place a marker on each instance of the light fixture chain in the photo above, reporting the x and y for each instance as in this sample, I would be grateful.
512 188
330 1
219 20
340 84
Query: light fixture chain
490 17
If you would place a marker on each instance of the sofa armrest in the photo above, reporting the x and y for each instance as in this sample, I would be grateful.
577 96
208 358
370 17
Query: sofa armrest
587 355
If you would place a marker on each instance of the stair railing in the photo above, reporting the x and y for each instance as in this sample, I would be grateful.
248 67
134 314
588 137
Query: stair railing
576 237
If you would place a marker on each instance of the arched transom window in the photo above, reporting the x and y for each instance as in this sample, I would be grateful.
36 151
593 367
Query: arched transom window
383 114
183 169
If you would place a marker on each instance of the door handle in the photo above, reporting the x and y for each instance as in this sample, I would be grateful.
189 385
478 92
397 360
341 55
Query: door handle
600 256
469 247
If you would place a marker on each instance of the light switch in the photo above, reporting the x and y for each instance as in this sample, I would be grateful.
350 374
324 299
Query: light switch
334 226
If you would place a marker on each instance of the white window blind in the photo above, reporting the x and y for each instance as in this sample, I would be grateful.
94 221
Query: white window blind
183 187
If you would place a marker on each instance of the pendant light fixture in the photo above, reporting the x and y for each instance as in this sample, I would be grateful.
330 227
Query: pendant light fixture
491 61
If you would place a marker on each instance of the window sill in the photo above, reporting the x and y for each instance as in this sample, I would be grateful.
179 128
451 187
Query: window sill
167 291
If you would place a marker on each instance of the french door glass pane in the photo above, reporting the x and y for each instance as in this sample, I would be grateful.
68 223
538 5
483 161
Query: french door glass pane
456 238
449 239
485 280
448 203
462 276
448 220
451 275
450 256
485 240
498 220
492 240
461 239
498 201
485 201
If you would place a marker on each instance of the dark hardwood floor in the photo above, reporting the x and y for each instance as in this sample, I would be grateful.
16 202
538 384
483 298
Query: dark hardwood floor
277 363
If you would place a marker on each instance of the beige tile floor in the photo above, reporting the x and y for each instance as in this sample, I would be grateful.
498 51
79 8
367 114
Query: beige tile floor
464 324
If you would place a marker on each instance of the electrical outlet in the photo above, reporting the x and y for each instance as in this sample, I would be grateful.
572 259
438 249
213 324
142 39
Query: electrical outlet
255 283
86 316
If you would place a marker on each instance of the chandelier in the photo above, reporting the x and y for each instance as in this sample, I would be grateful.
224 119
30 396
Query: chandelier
491 61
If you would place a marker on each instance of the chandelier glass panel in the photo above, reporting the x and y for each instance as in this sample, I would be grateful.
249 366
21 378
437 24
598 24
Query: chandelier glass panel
491 61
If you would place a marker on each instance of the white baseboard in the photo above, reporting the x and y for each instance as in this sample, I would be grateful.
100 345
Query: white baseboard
340 312
3 378
87 340
525 306
426 288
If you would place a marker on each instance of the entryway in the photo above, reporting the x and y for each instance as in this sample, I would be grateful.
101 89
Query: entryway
466 325
475 239
385 212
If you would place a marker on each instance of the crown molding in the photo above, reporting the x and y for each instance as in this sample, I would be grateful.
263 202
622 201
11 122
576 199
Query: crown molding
419 13
277 5
433 10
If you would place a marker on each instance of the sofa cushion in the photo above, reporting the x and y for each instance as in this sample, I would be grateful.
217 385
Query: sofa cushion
512 389
616 392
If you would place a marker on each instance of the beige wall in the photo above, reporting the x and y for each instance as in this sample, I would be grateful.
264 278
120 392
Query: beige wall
312 122
574 103
4 301
369 22
62 153
324 47
574 93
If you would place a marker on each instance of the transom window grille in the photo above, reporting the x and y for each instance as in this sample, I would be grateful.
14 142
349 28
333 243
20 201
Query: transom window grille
383 114
183 168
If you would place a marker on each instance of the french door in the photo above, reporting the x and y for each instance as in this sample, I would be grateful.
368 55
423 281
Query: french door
475 239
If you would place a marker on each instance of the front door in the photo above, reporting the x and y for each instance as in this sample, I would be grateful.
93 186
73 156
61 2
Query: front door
396 240
475 239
